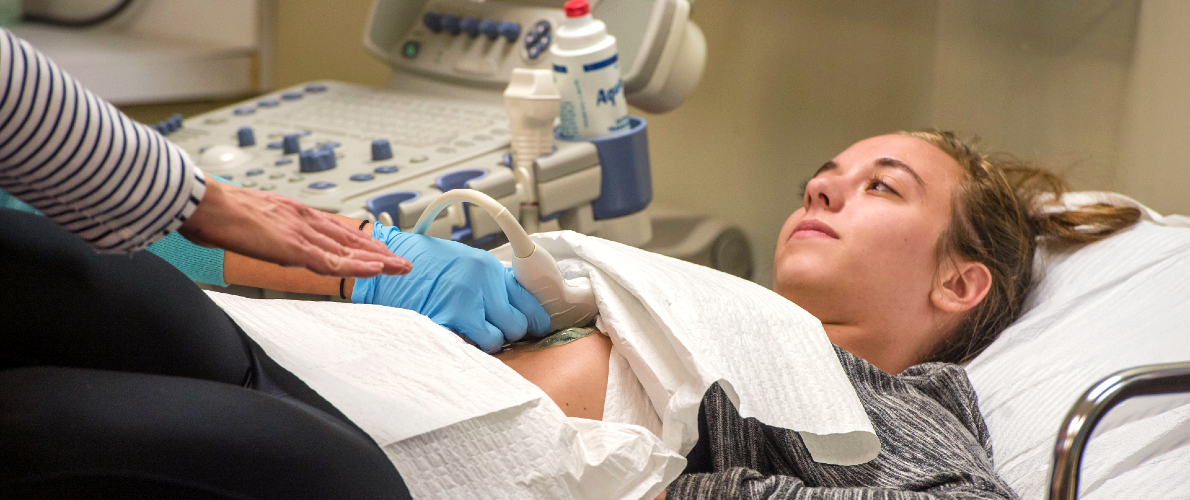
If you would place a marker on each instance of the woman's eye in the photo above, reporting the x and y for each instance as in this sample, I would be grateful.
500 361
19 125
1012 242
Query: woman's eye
880 185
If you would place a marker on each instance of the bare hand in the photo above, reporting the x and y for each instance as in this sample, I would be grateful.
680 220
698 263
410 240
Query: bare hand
282 230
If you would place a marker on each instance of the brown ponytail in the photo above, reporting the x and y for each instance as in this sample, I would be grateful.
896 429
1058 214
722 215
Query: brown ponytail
999 214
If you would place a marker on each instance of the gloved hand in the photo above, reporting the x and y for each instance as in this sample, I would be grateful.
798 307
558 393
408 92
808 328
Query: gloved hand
464 289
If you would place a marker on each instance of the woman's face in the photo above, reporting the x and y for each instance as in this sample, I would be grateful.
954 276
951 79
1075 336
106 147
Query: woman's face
860 253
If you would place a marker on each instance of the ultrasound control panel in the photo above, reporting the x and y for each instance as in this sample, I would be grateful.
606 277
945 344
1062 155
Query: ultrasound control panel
332 144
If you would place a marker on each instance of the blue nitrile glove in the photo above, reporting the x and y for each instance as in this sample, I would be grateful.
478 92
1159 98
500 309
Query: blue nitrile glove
464 289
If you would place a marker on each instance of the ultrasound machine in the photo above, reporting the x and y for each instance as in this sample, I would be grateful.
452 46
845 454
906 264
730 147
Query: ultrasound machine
440 124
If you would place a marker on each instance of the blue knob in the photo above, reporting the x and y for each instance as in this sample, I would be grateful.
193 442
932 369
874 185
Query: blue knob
315 88
175 121
290 144
451 24
432 21
510 30
307 162
326 158
316 160
381 150
490 28
246 137
470 26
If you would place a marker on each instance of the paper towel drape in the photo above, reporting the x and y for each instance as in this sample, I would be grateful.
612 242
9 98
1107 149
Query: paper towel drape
683 327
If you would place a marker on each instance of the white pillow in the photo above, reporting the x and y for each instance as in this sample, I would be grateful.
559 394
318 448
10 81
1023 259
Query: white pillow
1111 305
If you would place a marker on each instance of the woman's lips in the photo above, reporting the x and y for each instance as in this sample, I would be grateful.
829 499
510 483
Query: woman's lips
812 228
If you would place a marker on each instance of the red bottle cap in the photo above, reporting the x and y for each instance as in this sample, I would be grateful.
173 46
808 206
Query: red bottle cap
576 8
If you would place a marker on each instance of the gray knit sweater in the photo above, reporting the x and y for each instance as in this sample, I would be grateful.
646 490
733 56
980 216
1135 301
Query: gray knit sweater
934 445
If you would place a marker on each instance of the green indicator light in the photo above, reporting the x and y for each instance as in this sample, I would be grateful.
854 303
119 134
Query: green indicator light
411 49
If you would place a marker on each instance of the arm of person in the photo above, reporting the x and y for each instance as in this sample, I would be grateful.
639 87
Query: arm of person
120 185
747 484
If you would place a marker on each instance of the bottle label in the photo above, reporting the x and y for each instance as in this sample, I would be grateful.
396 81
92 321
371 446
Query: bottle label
592 95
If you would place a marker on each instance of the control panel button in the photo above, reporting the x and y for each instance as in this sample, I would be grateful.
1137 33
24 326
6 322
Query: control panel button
464 144
509 30
175 122
418 159
277 175
410 49
315 88
283 161
254 172
544 40
249 184
223 156
214 120
470 26
381 150
450 24
534 52
268 187
276 145
290 143
321 185
246 137
226 177
268 103
531 38
362 177
297 178
542 27
317 159
387 169
490 29
244 111
291 96
432 21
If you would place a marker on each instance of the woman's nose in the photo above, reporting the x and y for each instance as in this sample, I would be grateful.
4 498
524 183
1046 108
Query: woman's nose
823 192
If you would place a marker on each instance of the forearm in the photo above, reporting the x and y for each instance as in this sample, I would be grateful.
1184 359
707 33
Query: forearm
113 182
242 270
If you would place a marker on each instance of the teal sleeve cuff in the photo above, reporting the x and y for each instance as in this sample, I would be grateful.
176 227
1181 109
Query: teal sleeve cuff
201 264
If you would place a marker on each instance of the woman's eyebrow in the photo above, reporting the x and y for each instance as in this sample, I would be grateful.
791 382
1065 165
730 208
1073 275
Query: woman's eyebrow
895 163
830 165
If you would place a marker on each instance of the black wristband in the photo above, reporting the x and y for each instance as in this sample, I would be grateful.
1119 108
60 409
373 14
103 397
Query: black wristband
343 281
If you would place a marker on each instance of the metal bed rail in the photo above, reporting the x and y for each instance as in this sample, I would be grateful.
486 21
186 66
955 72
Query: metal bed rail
1093 405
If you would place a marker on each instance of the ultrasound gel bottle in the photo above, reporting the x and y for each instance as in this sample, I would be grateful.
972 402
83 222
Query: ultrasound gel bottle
587 73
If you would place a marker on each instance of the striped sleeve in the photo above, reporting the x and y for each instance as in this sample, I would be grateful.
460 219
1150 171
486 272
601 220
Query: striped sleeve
114 182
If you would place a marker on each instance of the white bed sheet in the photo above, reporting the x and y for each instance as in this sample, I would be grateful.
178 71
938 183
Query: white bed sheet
1112 305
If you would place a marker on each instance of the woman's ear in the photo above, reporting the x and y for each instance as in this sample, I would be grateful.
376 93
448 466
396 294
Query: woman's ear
962 285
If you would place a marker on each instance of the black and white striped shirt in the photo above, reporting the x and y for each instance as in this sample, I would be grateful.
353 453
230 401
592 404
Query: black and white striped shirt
933 446
112 181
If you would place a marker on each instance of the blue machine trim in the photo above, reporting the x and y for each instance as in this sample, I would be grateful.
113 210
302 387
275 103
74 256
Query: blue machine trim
587 68
391 203
560 69
458 180
627 184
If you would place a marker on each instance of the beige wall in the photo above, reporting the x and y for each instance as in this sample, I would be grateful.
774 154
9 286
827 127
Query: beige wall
790 83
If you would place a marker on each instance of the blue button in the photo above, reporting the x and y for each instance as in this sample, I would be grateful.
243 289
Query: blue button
162 128
175 121
291 96
510 30
244 111
255 171
291 144
534 52
332 144
542 27
387 169
317 159
268 103
451 24
276 145
246 137
362 177
226 177
381 150
432 21
283 161
315 88
490 28
470 26
321 185
531 38
543 41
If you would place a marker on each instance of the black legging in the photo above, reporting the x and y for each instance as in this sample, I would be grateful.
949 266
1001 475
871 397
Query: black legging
120 378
